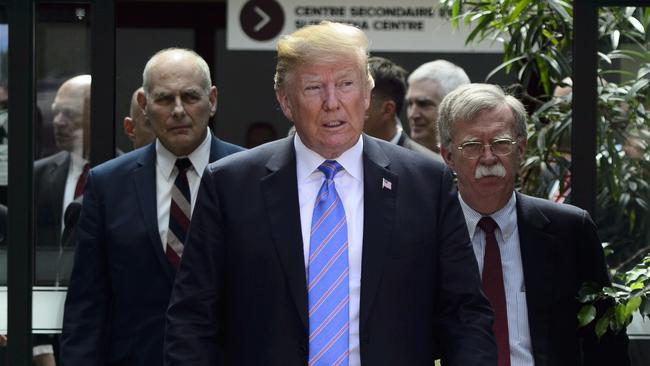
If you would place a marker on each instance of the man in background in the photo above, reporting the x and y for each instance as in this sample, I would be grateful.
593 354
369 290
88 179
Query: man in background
534 254
428 85
136 211
136 126
387 99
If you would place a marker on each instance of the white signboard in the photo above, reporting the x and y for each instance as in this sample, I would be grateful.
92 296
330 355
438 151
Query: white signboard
400 26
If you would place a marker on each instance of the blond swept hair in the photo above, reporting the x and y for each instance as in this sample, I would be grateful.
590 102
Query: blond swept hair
326 42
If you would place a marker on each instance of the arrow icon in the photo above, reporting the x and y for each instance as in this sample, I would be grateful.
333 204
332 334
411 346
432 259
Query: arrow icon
265 19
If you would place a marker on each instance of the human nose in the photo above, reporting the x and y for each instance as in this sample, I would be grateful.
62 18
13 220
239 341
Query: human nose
179 108
331 101
486 153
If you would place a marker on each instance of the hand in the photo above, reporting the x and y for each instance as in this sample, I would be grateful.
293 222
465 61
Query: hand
3 340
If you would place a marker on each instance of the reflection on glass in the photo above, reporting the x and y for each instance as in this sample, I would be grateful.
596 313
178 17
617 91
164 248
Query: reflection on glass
61 146
4 143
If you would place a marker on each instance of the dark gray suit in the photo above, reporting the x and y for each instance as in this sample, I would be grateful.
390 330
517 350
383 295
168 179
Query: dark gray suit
240 297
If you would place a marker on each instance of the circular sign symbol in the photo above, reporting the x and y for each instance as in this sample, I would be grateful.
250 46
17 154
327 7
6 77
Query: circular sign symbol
261 20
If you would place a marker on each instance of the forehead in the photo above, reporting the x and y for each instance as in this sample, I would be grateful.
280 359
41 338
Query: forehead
486 125
309 72
423 89
176 74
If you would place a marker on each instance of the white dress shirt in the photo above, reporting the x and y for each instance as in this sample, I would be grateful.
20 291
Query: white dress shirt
399 129
349 186
166 175
74 171
507 236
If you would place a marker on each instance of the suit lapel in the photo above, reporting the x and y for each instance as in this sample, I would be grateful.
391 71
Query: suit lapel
537 256
144 178
57 180
379 218
215 153
280 190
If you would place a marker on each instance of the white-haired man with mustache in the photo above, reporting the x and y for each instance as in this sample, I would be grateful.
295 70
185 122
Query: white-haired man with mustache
533 254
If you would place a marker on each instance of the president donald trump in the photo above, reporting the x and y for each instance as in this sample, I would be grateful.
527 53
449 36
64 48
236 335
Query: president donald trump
329 247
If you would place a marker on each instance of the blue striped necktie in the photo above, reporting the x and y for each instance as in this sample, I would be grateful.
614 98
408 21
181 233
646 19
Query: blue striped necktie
180 212
328 287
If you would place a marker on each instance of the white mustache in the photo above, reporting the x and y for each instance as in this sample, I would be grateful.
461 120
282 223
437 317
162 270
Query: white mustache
496 170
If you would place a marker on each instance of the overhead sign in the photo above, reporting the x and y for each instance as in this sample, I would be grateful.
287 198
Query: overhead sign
404 26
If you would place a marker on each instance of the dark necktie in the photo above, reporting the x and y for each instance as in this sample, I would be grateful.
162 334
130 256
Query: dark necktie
180 212
494 288
328 286
81 182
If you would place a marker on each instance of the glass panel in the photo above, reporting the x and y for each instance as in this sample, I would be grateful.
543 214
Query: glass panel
623 192
4 144
61 146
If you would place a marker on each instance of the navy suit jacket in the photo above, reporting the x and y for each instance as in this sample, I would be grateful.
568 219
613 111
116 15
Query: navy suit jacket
240 296
121 281
560 250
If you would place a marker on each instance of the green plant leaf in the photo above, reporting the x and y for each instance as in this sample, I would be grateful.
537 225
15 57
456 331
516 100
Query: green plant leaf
518 9
632 305
586 315
614 38
636 24
601 325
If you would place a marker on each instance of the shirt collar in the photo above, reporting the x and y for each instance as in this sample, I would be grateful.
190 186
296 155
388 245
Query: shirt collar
506 217
77 161
398 133
200 157
308 161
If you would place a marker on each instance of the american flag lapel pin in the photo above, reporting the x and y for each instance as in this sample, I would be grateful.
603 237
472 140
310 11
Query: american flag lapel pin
386 184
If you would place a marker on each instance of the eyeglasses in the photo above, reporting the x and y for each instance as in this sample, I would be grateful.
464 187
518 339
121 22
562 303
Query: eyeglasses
499 147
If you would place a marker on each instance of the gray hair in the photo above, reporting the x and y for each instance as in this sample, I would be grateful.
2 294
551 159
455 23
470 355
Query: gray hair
160 55
447 75
467 101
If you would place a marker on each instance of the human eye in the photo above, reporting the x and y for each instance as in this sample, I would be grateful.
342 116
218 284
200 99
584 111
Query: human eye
502 146
163 99
191 97
471 147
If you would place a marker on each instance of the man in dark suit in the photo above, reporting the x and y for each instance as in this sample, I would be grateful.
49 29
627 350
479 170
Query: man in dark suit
534 254
372 268
428 84
135 209
56 177
387 99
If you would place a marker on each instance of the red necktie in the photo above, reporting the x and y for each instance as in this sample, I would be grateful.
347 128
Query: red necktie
494 289
81 182
179 213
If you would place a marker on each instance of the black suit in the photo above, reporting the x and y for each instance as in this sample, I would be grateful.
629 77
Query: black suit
240 296
121 282
408 143
50 175
560 250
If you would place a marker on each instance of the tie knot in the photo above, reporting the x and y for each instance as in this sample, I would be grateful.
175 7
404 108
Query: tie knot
183 164
330 168
487 224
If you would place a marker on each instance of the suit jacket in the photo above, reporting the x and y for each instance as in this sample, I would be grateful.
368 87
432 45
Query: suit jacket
50 175
560 250
121 281
240 296
408 143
